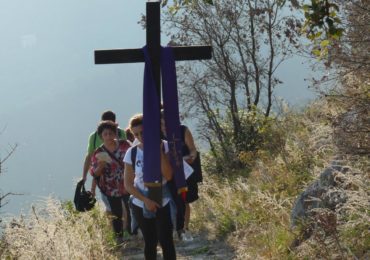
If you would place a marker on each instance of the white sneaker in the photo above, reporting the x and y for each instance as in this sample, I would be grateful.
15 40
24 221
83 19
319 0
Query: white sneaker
186 236
175 236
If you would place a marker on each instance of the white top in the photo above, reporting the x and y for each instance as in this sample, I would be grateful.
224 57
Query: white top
139 181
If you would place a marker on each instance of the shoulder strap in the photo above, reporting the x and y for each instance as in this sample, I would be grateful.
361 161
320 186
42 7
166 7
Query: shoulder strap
112 156
133 156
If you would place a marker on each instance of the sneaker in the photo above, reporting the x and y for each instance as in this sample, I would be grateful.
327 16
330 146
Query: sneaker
186 236
176 236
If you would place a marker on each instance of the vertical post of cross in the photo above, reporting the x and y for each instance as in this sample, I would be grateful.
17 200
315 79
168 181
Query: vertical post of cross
153 40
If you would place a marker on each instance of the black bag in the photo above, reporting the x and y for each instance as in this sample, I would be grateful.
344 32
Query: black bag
197 167
83 199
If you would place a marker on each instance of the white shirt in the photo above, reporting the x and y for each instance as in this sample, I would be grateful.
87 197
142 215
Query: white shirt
139 175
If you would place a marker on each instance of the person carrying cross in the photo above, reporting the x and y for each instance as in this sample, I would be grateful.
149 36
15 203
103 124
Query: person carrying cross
158 60
153 219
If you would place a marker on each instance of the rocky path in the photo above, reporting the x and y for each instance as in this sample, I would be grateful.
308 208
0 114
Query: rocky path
199 248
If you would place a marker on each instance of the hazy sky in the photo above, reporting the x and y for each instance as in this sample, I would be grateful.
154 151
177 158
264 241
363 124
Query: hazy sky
52 94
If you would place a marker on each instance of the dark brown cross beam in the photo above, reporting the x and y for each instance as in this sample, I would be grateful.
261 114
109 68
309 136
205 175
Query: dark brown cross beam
153 42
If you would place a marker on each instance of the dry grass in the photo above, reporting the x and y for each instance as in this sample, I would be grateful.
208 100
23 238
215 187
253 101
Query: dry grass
345 232
56 231
253 214
255 223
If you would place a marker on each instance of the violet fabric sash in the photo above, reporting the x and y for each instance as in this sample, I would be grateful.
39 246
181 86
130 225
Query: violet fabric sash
171 116
151 110
152 161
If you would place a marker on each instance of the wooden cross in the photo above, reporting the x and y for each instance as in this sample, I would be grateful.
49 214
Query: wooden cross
153 42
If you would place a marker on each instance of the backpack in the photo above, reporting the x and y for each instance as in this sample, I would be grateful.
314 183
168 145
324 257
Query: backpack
133 156
83 200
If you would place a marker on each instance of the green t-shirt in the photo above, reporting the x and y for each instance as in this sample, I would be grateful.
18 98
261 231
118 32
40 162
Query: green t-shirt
95 141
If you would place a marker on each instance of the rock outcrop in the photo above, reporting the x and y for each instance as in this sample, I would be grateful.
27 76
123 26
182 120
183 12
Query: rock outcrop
325 192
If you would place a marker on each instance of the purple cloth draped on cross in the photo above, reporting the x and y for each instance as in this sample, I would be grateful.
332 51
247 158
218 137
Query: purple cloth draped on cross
153 177
151 125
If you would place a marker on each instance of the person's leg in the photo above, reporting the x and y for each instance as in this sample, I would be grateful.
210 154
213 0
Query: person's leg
116 209
180 214
180 206
164 231
191 196
148 228
106 202
134 225
127 214
187 216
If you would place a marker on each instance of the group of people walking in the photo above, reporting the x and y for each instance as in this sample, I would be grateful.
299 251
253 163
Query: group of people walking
115 159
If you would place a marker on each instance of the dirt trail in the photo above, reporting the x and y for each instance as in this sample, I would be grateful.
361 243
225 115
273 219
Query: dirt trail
198 249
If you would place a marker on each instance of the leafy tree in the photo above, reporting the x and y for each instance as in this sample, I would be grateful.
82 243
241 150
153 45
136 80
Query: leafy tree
177 4
352 51
231 95
328 21
339 33
322 25
350 93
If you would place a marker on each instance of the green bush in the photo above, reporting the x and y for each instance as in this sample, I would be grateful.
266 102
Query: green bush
236 154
